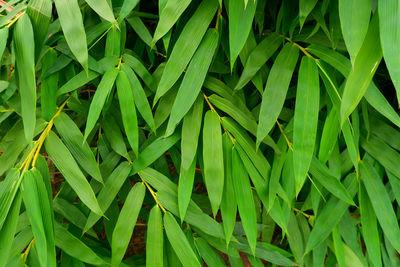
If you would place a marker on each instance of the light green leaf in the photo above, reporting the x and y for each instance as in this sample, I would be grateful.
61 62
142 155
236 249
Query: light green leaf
71 22
64 162
213 159
126 222
244 198
155 239
305 8
188 41
102 8
179 242
305 119
240 22
25 59
126 8
275 90
193 79
364 67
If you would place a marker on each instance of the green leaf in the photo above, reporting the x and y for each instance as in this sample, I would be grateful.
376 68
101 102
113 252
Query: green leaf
128 111
188 41
139 97
49 87
8 230
113 42
8 190
369 227
168 17
102 8
74 247
126 8
213 159
210 256
338 245
25 59
364 67
244 198
240 22
305 8
179 242
73 139
68 167
126 222
99 99
381 203
354 14
276 89
30 194
3 40
193 79
109 191
258 57
71 22
305 119
185 187
390 39
154 239
228 202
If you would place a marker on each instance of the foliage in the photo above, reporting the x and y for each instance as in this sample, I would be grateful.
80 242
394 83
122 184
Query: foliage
218 131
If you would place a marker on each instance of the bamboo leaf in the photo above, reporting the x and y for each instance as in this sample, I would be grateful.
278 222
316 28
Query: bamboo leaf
179 242
72 25
64 161
305 119
99 99
213 159
305 8
276 89
188 42
240 21
25 59
102 8
244 198
193 79
126 8
364 67
128 111
381 203
126 223
155 239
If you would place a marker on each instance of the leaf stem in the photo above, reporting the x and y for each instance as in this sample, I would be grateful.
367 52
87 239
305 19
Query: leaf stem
153 194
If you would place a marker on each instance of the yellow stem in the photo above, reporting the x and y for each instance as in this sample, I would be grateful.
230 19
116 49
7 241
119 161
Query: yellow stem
284 135
153 194
26 252
15 19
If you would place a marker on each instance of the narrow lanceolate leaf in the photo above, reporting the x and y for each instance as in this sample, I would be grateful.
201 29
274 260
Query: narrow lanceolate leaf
275 90
154 239
213 159
389 25
228 203
113 42
66 164
190 132
245 200
30 195
8 190
128 111
179 242
185 187
381 203
364 67
168 17
49 87
39 12
3 40
354 14
99 99
71 22
305 119
305 8
73 139
240 22
193 79
369 227
102 8
126 8
74 247
139 96
258 57
109 191
9 230
210 256
126 222
186 45
25 58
